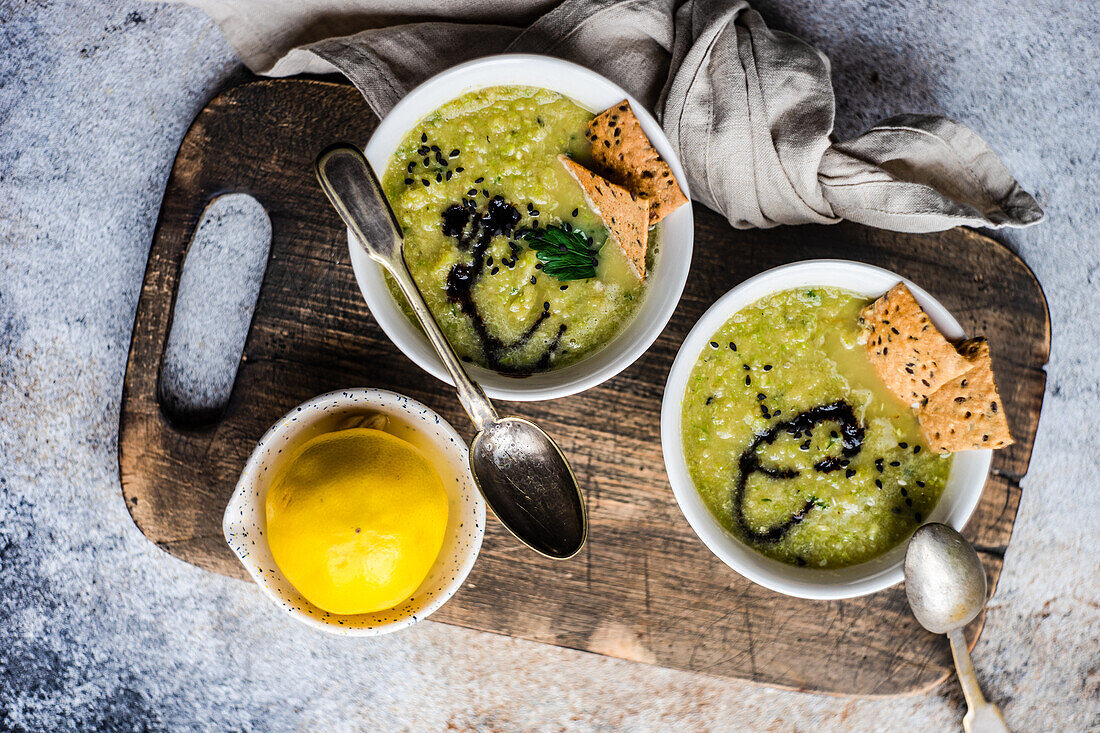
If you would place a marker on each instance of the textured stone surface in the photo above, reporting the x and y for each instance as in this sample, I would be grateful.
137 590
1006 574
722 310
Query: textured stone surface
99 629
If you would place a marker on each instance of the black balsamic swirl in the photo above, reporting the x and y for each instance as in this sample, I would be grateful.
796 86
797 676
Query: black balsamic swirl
473 230
852 434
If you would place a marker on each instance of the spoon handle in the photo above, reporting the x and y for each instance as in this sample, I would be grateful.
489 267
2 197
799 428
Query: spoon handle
353 188
981 716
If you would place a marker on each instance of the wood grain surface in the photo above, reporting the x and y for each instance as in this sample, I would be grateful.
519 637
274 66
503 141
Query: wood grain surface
644 588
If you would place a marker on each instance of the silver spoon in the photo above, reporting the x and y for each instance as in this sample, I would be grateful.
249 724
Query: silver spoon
945 583
518 468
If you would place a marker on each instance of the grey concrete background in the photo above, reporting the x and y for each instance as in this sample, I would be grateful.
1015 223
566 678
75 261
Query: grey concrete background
101 630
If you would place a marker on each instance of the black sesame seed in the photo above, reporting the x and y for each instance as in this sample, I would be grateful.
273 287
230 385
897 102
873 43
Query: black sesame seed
834 434
546 306
423 137
454 153
530 207
472 192
714 344
916 449
908 501
804 446
904 491
535 212
746 367
485 191
903 445
564 287
425 181
767 367
439 178
479 180
578 211
459 169
733 346
748 380
489 260
412 164
427 162
777 413
435 148
878 483
408 181
538 265
920 484
534 279
449 174
494 271
761 396
849 473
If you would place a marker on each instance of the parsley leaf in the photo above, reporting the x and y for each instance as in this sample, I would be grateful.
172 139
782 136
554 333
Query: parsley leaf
566 253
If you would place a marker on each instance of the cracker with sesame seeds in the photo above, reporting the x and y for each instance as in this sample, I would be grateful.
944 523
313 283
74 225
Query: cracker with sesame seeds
625 214
909 353
628 158
966 413
950 386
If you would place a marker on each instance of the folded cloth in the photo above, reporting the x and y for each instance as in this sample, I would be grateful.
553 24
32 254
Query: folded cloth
750 110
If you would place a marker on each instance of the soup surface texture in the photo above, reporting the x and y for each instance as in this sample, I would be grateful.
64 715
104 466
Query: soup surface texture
794 443
464 184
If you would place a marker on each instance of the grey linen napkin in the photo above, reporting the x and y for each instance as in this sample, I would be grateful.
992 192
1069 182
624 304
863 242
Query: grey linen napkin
749 109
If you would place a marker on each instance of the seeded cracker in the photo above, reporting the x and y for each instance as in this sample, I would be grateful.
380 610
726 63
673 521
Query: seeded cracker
907 350
966 413
622 149
951 388
626 215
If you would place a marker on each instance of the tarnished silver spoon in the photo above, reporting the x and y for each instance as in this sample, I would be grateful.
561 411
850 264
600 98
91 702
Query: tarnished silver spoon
945 583
520 470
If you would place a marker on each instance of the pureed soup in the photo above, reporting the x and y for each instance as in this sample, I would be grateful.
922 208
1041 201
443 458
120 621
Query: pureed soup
793 441
465 184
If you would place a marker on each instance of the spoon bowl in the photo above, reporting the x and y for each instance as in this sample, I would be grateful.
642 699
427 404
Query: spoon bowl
519 470
944 579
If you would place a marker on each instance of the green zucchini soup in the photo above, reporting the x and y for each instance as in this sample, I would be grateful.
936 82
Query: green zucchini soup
522 270
794 442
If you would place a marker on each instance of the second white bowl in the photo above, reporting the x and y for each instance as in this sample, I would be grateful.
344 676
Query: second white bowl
964 484
664 284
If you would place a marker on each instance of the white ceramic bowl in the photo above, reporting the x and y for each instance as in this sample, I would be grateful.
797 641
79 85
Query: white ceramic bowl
664 283
964 484
245 520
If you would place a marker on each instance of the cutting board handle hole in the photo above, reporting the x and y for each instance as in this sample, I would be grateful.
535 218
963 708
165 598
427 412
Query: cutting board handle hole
218 288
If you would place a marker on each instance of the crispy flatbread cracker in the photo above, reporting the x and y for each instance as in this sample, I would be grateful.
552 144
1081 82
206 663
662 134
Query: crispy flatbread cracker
951 387
966 413
625 214
628 158
907 350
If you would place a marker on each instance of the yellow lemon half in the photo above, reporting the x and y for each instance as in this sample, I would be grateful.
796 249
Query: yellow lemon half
355 520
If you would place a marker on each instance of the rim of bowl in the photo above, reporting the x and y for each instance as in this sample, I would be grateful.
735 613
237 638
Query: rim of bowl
629 344
815 584
353 397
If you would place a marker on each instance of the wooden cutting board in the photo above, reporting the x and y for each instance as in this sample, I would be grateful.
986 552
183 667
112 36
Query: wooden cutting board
644 588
